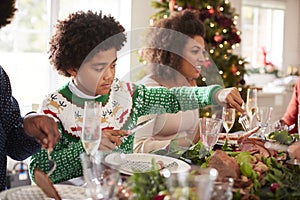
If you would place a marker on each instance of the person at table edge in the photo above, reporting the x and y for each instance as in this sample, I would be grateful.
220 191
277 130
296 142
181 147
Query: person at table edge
19 136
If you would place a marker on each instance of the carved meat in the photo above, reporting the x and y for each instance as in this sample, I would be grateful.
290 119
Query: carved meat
256 146
226 166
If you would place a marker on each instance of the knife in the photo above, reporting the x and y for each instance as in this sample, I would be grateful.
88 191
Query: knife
137 127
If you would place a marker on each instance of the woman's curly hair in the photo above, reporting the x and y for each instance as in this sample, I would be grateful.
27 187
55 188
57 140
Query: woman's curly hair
168 45
7 11
81 36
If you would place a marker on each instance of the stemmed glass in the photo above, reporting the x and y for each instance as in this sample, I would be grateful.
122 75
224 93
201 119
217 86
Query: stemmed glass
91 127
251 104
264 118
228 118
101 178
209 131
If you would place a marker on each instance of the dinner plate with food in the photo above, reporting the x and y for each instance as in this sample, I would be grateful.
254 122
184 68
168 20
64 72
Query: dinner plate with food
144 162
282 137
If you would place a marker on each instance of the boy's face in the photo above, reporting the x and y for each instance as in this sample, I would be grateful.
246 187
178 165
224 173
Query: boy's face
96 75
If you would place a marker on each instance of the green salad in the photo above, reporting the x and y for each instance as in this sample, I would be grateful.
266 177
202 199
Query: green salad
283 137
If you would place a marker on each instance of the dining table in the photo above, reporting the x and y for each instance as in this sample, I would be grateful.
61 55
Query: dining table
278 175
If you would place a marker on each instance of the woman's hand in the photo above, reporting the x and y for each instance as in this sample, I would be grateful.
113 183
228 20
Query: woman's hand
294 150
111 138
230 97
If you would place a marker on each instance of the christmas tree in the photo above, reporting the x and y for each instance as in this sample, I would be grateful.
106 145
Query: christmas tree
222 37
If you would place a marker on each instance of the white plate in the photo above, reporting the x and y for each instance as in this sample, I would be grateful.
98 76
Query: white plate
143 162
33 192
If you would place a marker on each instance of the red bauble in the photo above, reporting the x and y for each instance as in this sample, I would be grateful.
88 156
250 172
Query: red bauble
211 11
242 82
233 69
234 38
218 38
225 22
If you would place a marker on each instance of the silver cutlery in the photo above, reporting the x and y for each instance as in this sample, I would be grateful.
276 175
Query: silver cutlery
144 166
52 164
170 165
244 121
137 127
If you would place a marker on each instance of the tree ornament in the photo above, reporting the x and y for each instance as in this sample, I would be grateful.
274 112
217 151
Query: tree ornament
224 21
211 10
233 69
242 81
218 38
234 38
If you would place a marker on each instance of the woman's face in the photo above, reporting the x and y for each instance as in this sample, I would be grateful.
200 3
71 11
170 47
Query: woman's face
96 75
192 57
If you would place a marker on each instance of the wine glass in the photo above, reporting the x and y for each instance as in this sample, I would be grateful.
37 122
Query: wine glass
91 127
263 117
209 131
251 104
101 178
228 118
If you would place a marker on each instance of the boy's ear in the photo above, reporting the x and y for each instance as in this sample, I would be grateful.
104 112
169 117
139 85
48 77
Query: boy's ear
72 72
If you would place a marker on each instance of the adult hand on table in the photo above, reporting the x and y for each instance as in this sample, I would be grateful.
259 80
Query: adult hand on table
43 128
294 150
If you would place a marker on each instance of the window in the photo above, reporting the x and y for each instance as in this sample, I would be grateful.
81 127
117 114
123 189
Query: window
23 47
262 30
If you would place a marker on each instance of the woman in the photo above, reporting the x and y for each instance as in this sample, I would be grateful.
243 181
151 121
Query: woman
174 62
84 47
290 116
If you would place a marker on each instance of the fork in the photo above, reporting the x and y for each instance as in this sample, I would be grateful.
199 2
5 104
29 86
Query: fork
170 165
244 121
52 164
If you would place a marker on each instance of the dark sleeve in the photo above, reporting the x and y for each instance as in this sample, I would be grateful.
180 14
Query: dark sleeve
18 144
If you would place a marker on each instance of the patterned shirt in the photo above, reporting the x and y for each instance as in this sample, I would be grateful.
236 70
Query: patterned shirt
121 109
14 142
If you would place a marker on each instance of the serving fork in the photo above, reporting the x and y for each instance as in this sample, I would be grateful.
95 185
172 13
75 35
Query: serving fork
244 121
51 163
